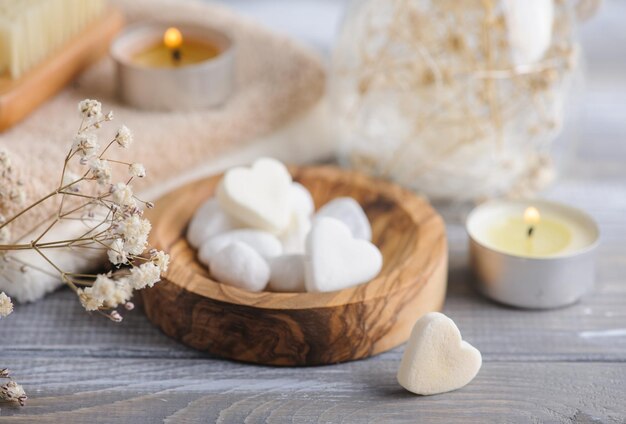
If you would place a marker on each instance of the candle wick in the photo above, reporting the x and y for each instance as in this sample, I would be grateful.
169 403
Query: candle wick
176 55
531 229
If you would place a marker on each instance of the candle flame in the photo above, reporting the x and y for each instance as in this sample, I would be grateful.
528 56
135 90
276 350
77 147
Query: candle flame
172 38
531 215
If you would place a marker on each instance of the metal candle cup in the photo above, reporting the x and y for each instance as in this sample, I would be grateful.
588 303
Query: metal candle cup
532 281
187 87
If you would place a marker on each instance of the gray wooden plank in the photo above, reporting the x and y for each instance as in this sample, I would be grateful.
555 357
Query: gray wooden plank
75 390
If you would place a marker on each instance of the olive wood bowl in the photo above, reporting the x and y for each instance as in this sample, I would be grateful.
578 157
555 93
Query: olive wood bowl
303 328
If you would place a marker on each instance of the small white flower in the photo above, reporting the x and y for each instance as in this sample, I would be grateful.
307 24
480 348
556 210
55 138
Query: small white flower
124 137
109 116
69 181
134 230
123 292
145 275
122 195
88 300
6 306
90 108
137 170
101 171
160 259
13 392
85 144
103 288
116 252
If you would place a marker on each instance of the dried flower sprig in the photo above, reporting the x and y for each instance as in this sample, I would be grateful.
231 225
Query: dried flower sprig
112 213
429 93
11 391
6 306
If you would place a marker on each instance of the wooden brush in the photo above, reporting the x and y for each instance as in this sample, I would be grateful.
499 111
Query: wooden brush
44 44
32 30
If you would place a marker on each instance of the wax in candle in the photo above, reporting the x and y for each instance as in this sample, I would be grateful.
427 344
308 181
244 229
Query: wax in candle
160 56
548 237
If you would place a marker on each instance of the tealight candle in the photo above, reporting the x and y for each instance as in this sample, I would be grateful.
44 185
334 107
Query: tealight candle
532 254
173 52
179 67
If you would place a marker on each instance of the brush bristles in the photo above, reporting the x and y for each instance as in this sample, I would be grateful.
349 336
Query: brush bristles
31 30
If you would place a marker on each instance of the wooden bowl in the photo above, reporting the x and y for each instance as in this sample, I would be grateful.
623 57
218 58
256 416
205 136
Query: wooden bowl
304 328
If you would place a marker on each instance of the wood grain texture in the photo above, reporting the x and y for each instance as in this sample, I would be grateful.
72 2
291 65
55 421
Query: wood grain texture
217 391
21 96
304 328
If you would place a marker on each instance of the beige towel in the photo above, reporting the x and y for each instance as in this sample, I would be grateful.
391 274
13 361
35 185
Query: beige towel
276 81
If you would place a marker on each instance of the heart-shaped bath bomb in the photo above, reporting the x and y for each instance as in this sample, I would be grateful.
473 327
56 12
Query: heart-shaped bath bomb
436 359
348 211
301 200
208 221
294 238
258 196
287 274
241 266
264 243
336 260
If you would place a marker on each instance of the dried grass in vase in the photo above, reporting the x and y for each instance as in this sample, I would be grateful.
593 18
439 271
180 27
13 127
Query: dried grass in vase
456 99
112 220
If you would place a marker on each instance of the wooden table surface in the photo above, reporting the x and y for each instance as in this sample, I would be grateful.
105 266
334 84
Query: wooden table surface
566 365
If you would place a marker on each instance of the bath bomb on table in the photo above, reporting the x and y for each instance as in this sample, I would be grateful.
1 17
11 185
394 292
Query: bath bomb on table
436 359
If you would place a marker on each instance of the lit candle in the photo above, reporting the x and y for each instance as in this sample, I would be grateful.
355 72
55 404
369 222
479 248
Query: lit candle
535 254
528 234
180 67
173 52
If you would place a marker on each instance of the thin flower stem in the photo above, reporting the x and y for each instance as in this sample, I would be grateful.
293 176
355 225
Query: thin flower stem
38 202
117 161
106 148
45 271
52 224
47 259
77 274
32 229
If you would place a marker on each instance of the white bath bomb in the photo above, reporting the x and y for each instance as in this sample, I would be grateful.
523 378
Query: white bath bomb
348 211
259 196
265 244
436 359
241 266
301 200
208 221
294 238
287 273
336 260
